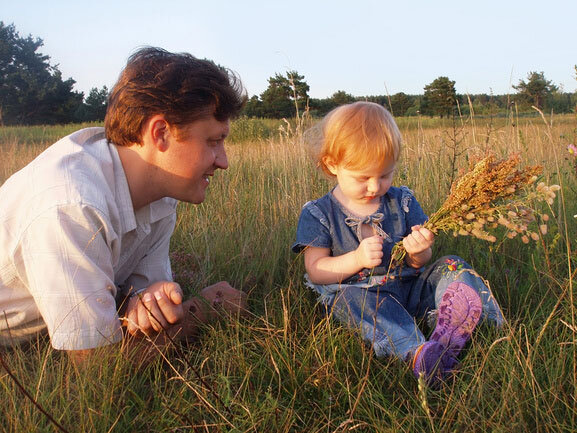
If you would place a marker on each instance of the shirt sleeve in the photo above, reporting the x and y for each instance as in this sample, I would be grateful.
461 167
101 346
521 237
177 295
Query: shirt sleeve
66 258
312 230
414 214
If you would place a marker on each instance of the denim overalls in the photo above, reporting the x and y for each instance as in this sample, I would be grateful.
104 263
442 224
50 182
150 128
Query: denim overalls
383 303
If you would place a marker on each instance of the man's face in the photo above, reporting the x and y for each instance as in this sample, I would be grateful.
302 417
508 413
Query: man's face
193 157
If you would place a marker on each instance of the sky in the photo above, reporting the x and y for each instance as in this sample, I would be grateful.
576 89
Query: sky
363 47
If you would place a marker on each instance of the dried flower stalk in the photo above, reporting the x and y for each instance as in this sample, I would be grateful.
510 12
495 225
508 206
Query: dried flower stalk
493 193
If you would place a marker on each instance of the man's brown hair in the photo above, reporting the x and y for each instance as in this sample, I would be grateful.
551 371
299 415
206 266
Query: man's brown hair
176 85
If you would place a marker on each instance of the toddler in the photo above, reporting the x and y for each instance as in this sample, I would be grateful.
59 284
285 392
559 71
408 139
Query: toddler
347 237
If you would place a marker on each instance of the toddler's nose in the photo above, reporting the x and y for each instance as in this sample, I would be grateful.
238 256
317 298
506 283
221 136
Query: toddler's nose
372 186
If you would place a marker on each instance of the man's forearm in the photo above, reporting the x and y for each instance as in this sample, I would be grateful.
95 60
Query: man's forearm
138 351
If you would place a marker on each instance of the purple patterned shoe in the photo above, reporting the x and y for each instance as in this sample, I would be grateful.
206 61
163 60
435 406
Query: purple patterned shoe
430 360
458 314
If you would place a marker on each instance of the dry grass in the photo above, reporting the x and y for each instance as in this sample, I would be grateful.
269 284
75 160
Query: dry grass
286 368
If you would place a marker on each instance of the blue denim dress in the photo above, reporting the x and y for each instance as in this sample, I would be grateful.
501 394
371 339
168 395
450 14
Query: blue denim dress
382 303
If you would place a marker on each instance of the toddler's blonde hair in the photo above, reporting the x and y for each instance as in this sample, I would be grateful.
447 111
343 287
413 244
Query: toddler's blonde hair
357 135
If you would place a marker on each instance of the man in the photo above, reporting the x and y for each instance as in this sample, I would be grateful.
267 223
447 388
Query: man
85 227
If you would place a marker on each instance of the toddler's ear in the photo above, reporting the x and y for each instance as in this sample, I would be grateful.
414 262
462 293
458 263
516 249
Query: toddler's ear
330 164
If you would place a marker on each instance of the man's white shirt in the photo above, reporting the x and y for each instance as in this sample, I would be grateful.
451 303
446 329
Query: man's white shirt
69 239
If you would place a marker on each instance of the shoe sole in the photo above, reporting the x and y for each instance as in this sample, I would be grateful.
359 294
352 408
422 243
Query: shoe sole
458 315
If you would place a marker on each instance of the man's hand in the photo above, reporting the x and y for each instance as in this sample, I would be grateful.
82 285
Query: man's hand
179 319
213 301
155 308
222 298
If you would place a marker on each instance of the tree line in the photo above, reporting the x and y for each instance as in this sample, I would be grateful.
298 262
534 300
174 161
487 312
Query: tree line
32 91
287 95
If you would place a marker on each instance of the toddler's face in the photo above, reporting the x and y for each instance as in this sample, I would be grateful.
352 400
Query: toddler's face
364 186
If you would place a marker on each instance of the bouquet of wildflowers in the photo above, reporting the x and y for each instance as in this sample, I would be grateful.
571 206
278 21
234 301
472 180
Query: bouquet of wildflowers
494 193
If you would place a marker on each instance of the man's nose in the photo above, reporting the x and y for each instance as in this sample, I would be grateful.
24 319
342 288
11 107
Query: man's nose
221 160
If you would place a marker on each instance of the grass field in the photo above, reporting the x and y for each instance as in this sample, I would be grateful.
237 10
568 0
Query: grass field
285 367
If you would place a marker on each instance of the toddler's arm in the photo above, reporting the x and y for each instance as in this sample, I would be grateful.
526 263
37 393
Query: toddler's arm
326 269
418 246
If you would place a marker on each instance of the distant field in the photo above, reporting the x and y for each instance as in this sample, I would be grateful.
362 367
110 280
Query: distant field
288 369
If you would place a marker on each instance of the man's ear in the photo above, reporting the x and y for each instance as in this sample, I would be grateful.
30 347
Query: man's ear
330 164
158 131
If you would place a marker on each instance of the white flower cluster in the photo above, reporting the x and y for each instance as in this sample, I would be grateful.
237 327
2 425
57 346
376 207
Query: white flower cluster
548 192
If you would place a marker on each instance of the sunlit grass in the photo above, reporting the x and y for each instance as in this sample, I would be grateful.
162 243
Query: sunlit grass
286 368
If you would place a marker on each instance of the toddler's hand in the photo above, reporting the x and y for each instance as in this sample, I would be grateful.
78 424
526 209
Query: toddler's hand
370 252
419 240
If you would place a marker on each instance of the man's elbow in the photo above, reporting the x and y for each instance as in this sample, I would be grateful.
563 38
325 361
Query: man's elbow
86 357
80 357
